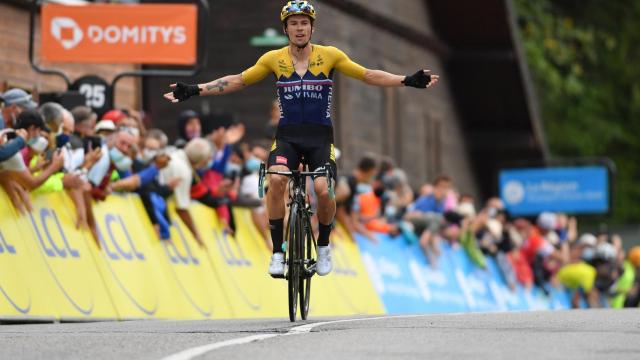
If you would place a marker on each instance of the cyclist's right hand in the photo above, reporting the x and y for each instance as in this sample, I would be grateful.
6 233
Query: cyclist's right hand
181 92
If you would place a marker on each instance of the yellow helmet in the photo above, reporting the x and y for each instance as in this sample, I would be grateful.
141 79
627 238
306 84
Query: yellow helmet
634 256
297 8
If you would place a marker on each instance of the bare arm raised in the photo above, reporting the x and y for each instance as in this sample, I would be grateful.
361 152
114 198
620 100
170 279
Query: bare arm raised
224 85
422 79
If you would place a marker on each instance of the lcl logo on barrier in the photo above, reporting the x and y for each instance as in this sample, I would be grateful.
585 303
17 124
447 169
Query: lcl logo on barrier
133 261
55 250
65 252
226 250
5 245
174 254
132 254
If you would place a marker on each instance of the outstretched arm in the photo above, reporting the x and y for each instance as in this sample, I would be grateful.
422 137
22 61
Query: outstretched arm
224 85
383 78
421 79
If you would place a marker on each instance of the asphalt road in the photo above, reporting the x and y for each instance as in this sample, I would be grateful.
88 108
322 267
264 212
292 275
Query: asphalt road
594 334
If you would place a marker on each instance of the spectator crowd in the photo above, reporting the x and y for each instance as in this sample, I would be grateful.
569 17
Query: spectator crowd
46 148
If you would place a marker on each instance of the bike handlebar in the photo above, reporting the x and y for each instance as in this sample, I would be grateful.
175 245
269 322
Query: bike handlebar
324 171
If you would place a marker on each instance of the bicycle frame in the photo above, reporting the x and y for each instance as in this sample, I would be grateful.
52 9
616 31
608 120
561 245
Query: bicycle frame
299 231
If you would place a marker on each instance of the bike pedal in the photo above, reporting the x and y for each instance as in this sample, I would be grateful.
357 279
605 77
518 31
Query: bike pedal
277 276
309 274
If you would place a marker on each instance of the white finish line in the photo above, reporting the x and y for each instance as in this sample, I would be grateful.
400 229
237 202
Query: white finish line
303 329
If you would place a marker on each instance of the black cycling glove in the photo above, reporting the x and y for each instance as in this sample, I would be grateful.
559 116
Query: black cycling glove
184 91
418 80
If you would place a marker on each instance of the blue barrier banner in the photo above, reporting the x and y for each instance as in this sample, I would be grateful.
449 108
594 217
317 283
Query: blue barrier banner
404 280
574 190
506 298
474 282
438 283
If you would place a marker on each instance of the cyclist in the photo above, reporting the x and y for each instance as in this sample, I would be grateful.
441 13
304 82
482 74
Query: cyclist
304 73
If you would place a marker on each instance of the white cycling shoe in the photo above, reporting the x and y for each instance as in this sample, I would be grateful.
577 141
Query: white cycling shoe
324 265
276 267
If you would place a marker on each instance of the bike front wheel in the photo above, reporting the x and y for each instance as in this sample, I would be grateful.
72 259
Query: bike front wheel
294 260
308 263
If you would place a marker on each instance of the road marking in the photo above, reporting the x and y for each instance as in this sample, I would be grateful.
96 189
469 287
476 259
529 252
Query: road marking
201 350
302 329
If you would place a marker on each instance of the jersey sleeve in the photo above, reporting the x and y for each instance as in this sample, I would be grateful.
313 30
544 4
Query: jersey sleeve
259 71
347 66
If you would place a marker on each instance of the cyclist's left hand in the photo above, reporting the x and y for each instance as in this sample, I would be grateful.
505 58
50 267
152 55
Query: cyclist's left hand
422 79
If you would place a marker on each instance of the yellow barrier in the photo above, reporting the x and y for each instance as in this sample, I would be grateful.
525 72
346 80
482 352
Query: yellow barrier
50 270
57 260
25 292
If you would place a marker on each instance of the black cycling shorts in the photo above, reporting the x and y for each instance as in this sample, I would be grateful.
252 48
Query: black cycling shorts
309 144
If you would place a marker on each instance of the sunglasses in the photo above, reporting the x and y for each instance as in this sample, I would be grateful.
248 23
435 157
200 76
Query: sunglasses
297 8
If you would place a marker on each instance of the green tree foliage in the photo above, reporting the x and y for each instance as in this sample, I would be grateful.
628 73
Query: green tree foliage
584 56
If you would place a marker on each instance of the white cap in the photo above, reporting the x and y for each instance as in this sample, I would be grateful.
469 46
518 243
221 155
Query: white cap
587 239
105 125
606 251
547 221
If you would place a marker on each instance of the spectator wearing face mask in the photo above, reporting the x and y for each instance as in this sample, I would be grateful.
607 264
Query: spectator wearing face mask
178 175
76 161
133 126
145 181
369 207
16 178
399 195
115 162
249 190
348 189
214 178
133 123
73 176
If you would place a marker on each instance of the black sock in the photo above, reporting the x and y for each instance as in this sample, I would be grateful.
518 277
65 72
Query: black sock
276 234
323 237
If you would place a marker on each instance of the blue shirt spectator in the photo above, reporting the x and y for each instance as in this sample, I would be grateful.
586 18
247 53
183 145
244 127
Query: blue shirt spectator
428 203
11 148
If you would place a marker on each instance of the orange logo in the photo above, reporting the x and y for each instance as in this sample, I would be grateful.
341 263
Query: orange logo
110 33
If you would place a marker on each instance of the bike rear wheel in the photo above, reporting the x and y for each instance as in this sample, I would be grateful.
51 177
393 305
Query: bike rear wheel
294 260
